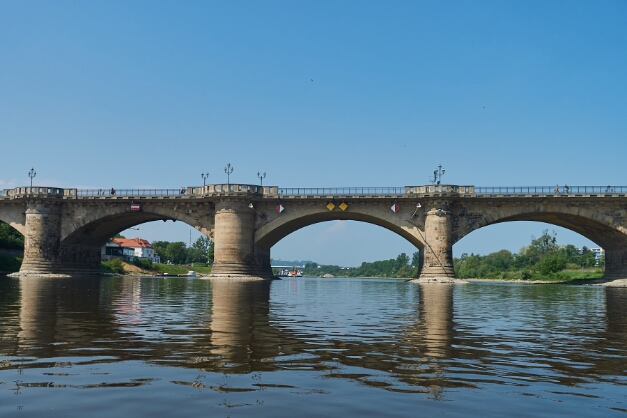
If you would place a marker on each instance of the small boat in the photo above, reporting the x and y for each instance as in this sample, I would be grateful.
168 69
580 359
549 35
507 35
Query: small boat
295 273
191 273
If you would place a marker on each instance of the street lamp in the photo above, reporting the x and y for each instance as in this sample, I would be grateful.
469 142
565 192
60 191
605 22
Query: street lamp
32 175
228 170
261 177
204 176
437 175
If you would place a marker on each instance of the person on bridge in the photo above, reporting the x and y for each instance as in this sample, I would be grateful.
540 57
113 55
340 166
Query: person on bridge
566 189
112 191
557 189
182 190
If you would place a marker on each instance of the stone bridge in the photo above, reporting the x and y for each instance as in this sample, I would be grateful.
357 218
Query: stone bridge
64 229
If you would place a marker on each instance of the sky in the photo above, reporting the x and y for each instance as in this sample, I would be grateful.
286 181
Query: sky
149 94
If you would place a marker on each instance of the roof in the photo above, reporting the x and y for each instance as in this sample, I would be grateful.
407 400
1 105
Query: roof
132 242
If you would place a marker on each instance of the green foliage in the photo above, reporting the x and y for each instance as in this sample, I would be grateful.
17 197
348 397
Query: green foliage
176 252
398 267
113 266
10 264
415 259
542 259
201 251
143 263
10 238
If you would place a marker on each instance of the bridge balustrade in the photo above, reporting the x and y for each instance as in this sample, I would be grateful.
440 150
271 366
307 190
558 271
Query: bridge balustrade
235 189
439 188
548 190
48 192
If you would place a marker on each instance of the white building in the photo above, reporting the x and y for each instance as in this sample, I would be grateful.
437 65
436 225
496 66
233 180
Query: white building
141 248
598 253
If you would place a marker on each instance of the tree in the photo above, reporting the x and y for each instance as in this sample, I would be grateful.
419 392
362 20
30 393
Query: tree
401 261
176 252
199 251
160 249
415 259
10 238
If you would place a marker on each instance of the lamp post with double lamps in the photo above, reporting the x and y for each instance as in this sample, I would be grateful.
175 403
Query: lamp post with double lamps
228 170
32 175
261 177
204 176
437 175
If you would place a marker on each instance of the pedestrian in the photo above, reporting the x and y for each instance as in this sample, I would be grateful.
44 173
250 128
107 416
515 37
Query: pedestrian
112 191
557 189
566 189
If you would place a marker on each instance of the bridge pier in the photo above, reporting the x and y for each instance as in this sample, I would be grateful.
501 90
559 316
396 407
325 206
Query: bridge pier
615 264
235 253
44 253
438 249
42 239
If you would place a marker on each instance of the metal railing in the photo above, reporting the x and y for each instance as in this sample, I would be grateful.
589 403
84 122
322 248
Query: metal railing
552 190
129 192
342 191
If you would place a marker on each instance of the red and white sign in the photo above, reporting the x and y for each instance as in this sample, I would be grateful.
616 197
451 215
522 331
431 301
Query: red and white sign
135 206
280 208
395 208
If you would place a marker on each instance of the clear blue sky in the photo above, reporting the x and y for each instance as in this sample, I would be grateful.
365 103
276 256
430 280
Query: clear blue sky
152 93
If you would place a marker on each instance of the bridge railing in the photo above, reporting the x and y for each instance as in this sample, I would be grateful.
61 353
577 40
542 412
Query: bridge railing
341 191
128 192
525 190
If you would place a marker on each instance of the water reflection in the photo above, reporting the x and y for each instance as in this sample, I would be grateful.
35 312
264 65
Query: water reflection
382 334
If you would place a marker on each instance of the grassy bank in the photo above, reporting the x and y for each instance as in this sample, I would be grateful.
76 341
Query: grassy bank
559 277
142 267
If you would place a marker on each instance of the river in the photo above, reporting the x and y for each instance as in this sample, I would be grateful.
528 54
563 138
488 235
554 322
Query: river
309 347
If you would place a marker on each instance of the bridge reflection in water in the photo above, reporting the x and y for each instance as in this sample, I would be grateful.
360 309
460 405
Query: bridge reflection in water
399 336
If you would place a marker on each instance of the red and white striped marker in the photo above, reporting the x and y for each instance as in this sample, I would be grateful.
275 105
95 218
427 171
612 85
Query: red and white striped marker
135 206
395 208
280 208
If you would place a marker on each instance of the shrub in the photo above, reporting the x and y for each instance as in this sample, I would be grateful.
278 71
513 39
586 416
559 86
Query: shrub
526 274
143 263
114 266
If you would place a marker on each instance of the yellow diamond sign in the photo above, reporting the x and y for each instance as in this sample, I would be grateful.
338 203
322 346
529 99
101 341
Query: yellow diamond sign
330 206
343 206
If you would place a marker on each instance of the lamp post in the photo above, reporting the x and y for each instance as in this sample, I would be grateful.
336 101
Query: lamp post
32 175
437 175
261 177
204 176
228 170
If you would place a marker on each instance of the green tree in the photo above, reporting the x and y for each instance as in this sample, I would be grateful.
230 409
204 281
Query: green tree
10 238
160 249
415 259
176 252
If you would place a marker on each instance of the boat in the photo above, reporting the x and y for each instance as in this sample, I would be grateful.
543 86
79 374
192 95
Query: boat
295 273
191 273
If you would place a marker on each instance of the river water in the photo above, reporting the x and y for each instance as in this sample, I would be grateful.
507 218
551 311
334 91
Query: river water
309 348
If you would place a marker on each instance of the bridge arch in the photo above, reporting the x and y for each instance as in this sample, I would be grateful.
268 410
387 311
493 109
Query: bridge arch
14 216
606 229
276 229
96 227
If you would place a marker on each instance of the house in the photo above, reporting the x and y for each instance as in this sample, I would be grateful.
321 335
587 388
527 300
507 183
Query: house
598 253
112 250
141 248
